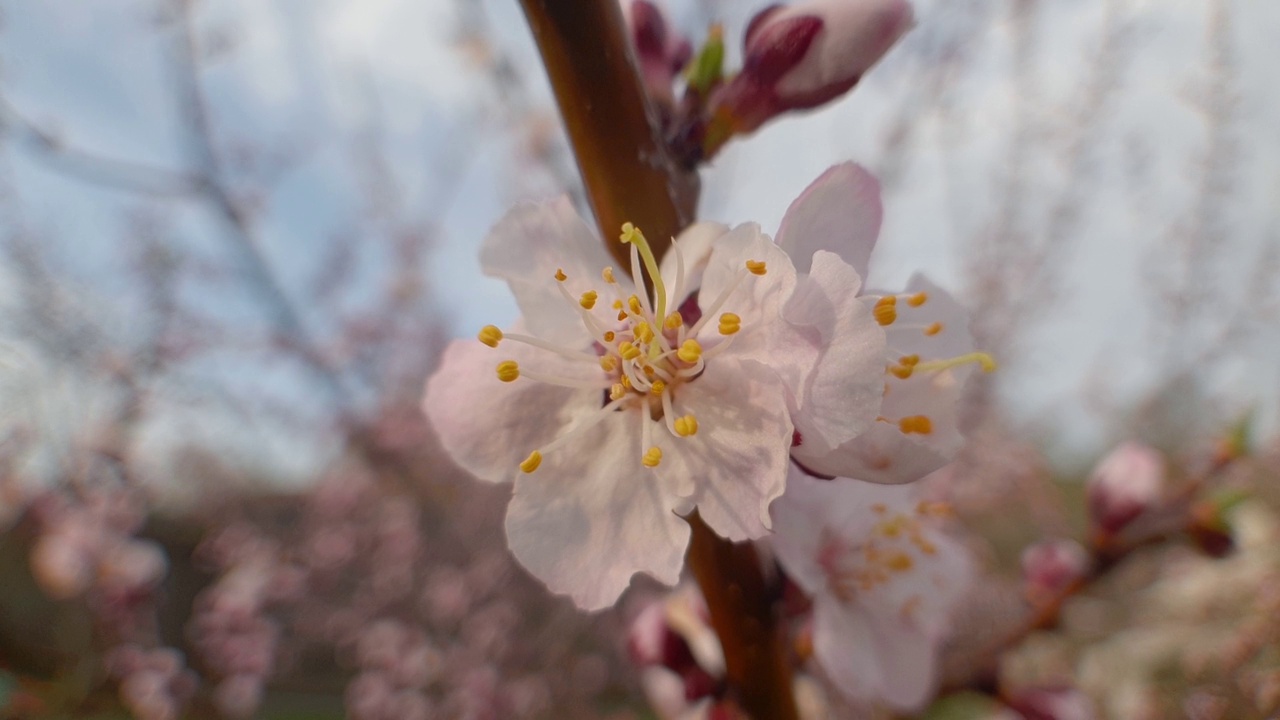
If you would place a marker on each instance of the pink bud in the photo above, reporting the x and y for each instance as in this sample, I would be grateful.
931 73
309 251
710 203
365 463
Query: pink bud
1053 704
1050 566
1124 484
60 566
804 55
661 53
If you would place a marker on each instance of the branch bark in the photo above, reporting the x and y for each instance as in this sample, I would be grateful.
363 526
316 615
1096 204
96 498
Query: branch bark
631 177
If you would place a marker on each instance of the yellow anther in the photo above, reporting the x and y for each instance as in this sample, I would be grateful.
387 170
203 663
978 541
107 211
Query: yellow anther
918 424
686 426
617 391
898 562
628 350
617 304
885 310
934 509
625 382
658 387
609 335
508 370
633 303
730 324
933 329
643 332
609 363
588 299
756 267
622 315
490 335
909 360
532 462
673 321
652 457
607 274
902 372
918 299
689 351
649 372
879 508
560 276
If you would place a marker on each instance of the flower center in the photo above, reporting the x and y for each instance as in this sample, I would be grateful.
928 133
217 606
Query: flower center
645 350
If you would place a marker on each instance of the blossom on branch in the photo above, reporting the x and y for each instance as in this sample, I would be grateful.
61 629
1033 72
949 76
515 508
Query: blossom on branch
830 232
615 411
883 579
1124 484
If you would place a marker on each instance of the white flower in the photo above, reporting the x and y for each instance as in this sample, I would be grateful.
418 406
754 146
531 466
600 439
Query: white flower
829 232
883 580
614 413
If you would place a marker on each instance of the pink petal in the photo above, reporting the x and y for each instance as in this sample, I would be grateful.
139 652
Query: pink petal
739 457
592 516
840 398
487 426
526 248
839 212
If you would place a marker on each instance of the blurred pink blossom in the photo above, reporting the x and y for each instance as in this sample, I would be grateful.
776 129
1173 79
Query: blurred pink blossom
883 579
1124 484
1049 567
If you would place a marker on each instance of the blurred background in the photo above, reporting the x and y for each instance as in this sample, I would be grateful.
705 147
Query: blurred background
235 235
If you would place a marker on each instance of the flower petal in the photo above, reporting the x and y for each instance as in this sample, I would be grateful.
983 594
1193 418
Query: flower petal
952 337
756 299
840 212
840 398
739 457
694 246
843 644
526 248
485 424
591 516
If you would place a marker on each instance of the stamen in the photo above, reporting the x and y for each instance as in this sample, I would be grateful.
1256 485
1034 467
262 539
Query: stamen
933 329
543 344
918 424
686 426
532 462
607 274
490 335
609 336
617 391
508 371
909 360
631 234
673 321
643 332
690 351
756 267
902 372
730 324
652 457
719 303
563 382
609 363
885 310
633 303
560 276
628 350
658 387
588 299
918 299
987 362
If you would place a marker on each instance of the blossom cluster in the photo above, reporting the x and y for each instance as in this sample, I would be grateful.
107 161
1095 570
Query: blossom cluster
755 380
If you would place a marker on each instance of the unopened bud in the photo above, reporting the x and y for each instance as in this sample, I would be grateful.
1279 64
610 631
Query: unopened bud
802 56
1124 485
1050 567
661 53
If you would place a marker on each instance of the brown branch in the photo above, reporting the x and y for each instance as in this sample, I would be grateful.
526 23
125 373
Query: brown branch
629 174
630 177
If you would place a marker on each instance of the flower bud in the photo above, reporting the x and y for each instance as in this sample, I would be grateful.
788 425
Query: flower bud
1049 567
1063 703
804 55
660 53
1124 484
